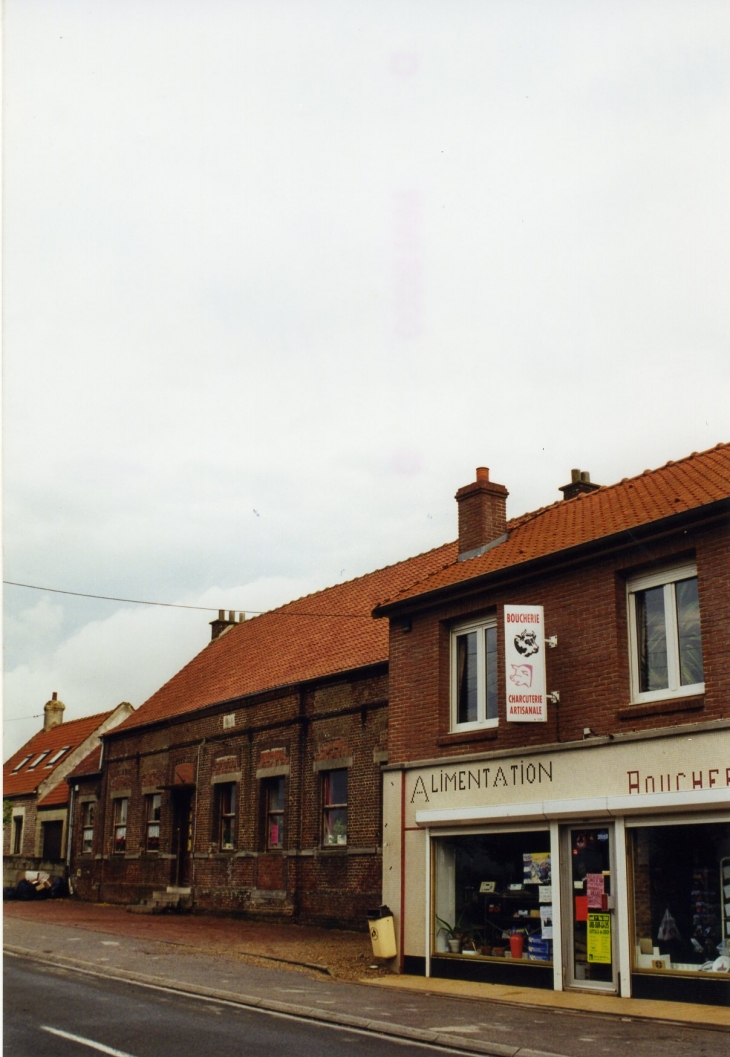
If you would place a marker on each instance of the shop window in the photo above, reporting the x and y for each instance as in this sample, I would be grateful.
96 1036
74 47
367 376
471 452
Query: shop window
681 895
493 896
120 824
153 804
88 810
474 676
334 801
17 843
665 636
226 814
274 790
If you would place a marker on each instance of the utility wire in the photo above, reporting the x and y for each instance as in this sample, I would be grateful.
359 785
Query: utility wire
177 605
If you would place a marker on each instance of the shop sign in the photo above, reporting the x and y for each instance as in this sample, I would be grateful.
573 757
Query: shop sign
524 662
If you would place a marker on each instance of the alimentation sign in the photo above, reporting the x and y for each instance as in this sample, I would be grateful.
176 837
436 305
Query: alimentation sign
524 662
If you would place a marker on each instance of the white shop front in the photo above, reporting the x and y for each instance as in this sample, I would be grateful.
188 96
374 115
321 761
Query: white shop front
603 865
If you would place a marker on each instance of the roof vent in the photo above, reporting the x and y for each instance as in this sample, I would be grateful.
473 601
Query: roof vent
580 484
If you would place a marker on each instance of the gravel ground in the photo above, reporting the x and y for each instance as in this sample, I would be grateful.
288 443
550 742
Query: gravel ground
340 954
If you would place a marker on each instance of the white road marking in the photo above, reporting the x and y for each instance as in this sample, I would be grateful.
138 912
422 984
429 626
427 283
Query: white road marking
109 943
86 1042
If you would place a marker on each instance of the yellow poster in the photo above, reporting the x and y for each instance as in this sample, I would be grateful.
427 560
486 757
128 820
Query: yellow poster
599 938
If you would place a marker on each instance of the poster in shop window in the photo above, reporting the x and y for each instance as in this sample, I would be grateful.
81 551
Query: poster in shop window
524 663
599 939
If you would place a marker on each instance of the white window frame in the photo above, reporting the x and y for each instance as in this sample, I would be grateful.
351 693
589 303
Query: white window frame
88 813
481 722
665 578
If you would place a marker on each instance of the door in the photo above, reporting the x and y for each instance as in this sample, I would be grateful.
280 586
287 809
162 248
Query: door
182 835
52 834
589 890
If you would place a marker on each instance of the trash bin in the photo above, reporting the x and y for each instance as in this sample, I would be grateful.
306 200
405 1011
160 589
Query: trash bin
382 932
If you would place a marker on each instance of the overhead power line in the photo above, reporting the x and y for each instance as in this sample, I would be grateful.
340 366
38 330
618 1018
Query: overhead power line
178 605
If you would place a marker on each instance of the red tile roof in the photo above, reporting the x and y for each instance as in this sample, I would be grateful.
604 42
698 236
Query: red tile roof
72 734
90 764
319 635
58 796
675 488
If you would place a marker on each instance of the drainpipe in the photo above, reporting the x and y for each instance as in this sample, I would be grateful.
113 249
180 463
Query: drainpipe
195 815
69 834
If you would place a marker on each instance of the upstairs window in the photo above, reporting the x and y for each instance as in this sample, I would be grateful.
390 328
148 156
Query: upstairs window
152 836
88 811
665 637
474 676
19 765
120 824
17 834
334 802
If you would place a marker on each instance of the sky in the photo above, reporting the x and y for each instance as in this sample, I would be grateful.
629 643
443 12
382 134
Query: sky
279 275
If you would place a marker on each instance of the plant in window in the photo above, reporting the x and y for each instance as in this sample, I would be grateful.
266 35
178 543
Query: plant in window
334 798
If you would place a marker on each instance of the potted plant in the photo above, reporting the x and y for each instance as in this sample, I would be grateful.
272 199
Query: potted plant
457 934
339 831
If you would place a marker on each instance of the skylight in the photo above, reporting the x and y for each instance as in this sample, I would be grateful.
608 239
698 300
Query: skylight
38 760
19 765
57 757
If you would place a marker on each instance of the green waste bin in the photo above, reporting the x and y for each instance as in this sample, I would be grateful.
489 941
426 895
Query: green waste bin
382 932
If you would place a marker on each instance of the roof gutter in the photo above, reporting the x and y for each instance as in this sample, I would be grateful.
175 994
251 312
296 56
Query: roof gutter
653 530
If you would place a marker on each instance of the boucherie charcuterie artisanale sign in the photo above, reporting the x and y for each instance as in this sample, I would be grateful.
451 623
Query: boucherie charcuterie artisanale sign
524 662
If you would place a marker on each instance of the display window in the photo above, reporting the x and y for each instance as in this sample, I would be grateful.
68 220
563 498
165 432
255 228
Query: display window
681 897
493 896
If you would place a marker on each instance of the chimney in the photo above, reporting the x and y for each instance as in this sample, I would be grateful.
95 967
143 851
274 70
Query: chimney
482 515
223 623
53 712
580 484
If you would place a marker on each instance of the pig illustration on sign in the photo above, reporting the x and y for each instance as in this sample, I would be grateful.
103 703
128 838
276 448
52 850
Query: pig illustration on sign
521 675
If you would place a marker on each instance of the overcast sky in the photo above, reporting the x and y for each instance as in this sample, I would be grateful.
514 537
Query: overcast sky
279 275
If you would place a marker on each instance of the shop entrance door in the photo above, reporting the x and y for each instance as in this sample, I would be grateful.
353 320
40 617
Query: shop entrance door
589 900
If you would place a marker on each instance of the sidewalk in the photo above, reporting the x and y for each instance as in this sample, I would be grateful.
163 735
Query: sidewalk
243 962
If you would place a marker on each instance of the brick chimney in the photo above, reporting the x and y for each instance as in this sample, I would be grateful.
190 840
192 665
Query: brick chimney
223 623
53 712
482 515
580 484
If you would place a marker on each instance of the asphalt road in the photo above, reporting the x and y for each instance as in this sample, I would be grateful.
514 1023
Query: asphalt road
51 1012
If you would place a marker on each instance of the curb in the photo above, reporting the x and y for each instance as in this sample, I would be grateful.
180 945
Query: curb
373 1027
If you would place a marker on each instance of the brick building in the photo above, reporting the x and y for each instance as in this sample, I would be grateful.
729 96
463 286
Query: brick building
569 829
35 795
251 781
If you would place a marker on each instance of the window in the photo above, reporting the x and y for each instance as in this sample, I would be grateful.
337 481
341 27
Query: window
38 760
57 756
226 799
19 765
334 803
474 676
87 825
489 887
17 834
120 824
681 883
274 791
152 836
665 637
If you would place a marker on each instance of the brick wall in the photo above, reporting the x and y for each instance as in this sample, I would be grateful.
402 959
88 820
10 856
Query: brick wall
294 733
586 607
